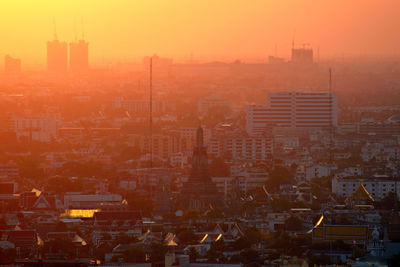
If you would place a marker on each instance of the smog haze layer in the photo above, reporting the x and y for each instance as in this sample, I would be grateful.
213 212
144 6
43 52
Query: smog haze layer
121 30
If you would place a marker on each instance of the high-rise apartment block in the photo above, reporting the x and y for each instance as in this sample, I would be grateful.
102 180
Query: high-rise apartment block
293 109
79 56
12 65
304 55
57 56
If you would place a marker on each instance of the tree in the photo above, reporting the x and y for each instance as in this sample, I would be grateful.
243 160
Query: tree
215 115
193 254
191 214
158 251
61 184
253 235
293 223
394 260
357 253
7 256
216 250
169 216
249 207
321 183
128 153
30 168
136 202
187 237
99 252
241 243
279 175
123 238
135 254
215 213
388 202
83 169
280 204
61 227
249 255
60 245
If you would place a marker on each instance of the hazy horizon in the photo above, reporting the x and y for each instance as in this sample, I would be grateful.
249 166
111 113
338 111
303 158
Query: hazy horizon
204 30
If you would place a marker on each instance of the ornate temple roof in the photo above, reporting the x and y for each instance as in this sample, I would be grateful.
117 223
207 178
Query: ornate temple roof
361 194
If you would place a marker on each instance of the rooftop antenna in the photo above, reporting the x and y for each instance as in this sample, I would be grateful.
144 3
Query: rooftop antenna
55 28
294 35
75 31
83 30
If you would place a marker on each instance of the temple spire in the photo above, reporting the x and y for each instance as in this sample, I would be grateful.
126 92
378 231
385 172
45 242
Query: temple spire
199 137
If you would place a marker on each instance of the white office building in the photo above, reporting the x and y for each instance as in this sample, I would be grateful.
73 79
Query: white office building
378 187
293 109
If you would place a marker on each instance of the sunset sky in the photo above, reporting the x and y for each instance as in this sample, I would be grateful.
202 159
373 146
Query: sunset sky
119 30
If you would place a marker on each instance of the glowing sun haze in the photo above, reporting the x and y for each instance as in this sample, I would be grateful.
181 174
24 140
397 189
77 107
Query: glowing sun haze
126 29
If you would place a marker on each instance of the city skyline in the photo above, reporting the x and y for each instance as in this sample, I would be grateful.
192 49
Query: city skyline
248 32
200 133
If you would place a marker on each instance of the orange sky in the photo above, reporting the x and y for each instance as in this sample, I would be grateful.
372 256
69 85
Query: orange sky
121 30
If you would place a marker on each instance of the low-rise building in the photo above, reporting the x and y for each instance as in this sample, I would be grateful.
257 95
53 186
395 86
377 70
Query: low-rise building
239 148
42 129
317 171
91 201
378 187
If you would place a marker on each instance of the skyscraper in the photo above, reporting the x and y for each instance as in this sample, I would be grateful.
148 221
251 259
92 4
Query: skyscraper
302 55
12 65
79 56
57 56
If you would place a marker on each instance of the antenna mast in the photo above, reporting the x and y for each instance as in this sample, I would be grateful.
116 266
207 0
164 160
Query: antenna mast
83 30
294 35
75 31
55 28
151 112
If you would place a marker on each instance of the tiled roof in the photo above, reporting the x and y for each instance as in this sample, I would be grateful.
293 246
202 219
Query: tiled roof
117 215
361 194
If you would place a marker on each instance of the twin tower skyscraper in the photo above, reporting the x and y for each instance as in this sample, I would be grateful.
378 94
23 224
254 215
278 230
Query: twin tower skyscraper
57 56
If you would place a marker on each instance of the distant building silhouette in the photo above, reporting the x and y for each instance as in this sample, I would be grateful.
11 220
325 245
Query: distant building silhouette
79 56
12 65
302 55
275 60
57 56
